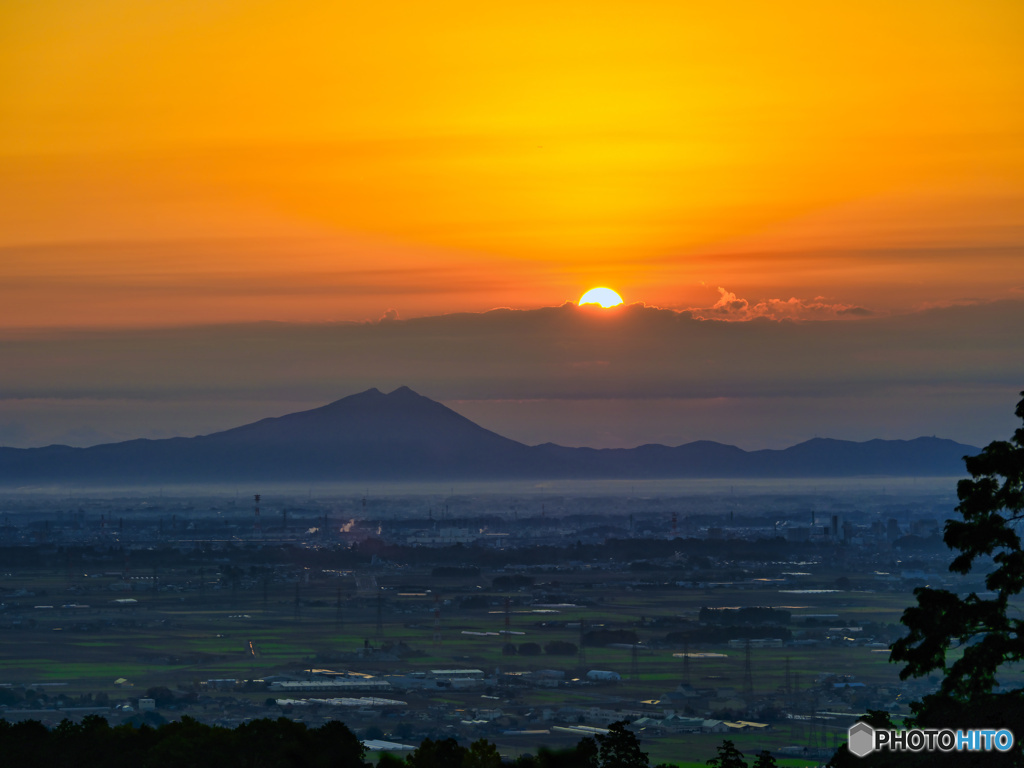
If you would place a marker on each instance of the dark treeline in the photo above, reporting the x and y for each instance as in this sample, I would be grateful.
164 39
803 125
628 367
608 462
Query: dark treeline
279 743
716 634
283 743
466 560
744 615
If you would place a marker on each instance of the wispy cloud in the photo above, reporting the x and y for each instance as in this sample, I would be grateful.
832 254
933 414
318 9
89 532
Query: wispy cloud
731 307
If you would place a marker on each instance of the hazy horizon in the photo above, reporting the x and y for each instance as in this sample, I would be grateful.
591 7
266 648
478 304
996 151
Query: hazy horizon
439 491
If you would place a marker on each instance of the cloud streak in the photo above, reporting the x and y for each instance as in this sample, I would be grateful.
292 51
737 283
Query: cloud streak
731 307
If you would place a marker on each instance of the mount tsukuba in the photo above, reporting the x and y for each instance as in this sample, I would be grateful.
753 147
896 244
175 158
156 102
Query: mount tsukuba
405 436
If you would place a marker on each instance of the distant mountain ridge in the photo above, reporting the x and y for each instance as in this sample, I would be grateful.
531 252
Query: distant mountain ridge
406 436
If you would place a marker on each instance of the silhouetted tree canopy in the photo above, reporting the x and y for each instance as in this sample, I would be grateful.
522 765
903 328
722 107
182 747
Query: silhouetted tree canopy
92 743
986 538
969 639
560 648
445 753
620 748
728 757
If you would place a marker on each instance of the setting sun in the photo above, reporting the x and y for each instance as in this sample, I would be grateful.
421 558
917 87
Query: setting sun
606 297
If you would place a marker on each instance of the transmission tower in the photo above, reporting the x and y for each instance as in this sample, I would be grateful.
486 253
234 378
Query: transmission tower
748 673
813 717
796 719
437 618
583 653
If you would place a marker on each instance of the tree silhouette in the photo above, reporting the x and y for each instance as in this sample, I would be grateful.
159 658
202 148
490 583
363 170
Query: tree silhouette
444 753
992 505
728 756
620 748
482 754
980 628
583 755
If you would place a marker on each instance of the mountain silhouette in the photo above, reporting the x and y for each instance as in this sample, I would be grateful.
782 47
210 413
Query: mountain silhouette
405 436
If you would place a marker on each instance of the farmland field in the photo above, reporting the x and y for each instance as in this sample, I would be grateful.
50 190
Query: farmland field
213 631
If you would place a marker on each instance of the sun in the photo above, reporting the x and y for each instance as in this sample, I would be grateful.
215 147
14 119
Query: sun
606 297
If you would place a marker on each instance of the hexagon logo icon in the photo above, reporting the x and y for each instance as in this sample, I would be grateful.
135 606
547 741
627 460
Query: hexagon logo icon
862 739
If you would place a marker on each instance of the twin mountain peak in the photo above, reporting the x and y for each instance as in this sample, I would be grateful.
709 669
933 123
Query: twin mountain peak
403 435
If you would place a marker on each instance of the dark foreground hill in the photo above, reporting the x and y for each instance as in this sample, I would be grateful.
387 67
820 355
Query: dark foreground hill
405 436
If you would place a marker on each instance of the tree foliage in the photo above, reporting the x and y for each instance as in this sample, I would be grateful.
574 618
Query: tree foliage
971 639
444 753
560 648
482 754
92 743
728 756
981 627
620 748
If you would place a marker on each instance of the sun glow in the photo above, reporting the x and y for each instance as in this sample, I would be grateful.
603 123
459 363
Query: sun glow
606 297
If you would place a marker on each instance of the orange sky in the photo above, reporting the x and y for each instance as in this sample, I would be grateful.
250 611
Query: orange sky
184 161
